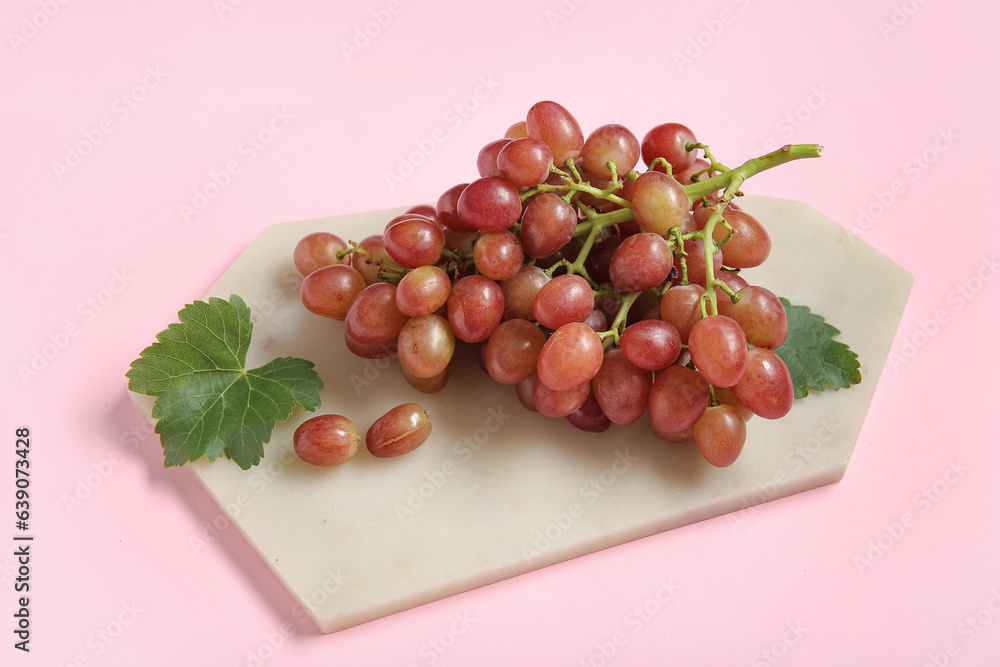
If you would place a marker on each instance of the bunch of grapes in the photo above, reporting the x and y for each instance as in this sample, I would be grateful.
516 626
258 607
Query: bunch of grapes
600 291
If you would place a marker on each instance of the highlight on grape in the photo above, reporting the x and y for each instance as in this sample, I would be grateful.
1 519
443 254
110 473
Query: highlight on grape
604 277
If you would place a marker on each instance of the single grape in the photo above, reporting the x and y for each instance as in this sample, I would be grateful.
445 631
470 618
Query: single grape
317 250
566 298
366 262
475 308
610 142
426 345
399 431
429 385
622 388
489 204
498 255
447 209
750 243
570 357
414 242
512 351
718 348
695 260
558 402
658 202
330 290
557 127
422 291
677 399
641 261
520 291
426 210
547 225
598 262
517 130
374 317
326 440
720 434
588 417
766 389
669 141
760 313
525 162
486 163
680 307
651 344
598 321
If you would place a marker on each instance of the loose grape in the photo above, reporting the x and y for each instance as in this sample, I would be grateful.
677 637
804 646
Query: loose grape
326 440
399 431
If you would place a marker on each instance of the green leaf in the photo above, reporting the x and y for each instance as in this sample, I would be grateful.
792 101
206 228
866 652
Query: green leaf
814 359
207 403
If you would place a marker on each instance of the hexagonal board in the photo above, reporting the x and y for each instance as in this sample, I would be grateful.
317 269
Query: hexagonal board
498 491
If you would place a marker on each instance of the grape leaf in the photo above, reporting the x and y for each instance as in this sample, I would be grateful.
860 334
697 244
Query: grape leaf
207 403
814 359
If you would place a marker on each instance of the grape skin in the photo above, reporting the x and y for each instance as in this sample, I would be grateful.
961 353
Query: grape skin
677 399
475 308
622 388
720 434
570 357
718 348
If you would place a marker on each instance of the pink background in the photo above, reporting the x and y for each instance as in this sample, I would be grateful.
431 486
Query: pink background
99 255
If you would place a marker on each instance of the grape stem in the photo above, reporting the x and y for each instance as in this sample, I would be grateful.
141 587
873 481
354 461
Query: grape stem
614 332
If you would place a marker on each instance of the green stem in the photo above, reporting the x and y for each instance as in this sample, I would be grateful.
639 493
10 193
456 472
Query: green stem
752 167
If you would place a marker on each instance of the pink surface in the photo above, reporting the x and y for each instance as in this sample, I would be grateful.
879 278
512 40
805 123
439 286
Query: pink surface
117 118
